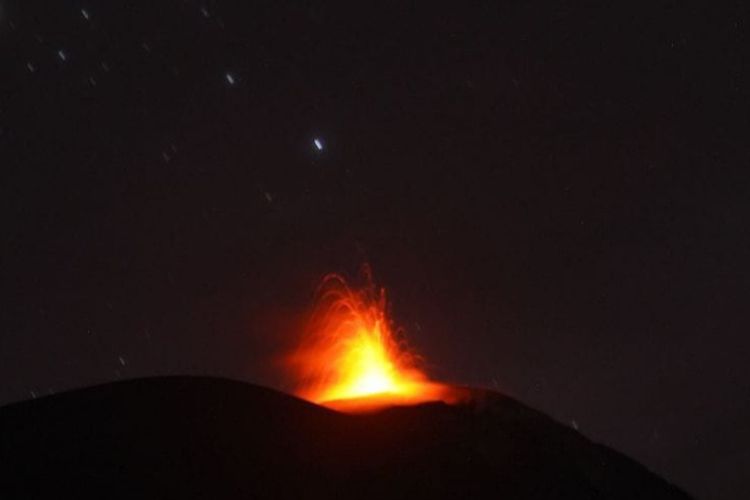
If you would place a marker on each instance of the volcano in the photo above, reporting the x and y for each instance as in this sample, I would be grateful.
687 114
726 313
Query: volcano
195 437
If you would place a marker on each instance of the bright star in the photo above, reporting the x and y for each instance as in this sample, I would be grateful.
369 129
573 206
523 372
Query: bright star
318 144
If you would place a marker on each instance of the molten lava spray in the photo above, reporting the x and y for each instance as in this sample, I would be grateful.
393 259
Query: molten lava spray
351 357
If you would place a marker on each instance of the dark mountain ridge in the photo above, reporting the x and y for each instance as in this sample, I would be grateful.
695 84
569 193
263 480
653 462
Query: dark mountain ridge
194 437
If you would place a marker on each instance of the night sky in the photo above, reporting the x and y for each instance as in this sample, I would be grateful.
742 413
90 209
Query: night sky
556 200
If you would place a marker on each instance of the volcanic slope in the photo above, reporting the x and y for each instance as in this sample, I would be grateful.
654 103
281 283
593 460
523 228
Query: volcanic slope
191 437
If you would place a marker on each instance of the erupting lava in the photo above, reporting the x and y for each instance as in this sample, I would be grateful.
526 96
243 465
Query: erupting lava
352 358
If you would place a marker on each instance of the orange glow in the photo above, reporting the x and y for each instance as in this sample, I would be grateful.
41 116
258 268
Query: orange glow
352 358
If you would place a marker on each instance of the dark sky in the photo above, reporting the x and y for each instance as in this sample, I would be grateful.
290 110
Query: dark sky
556 200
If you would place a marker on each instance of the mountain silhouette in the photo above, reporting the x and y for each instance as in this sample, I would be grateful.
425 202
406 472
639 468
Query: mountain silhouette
196 437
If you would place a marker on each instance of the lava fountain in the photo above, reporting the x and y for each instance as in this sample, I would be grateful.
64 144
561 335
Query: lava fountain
351 356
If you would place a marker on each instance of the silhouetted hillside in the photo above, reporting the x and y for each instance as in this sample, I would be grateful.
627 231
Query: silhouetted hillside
185 437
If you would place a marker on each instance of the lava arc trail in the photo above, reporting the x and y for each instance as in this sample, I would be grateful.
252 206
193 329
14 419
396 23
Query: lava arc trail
352 357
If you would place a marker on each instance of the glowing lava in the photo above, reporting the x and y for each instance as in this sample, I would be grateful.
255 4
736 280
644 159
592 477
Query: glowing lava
351 357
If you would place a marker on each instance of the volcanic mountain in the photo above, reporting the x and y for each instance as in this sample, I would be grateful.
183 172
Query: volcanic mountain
191 437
